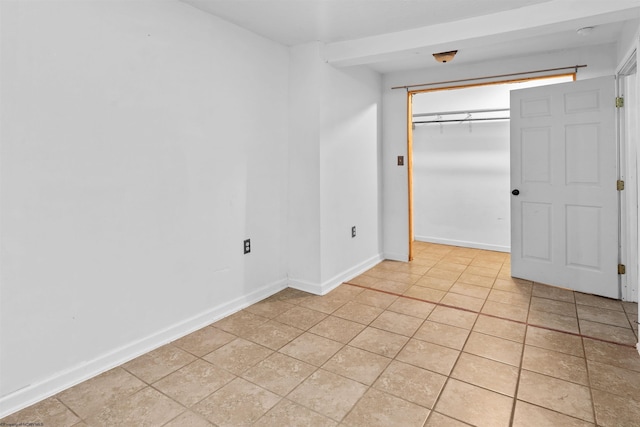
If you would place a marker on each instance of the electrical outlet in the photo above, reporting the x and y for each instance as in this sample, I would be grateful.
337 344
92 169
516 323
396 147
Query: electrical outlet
353 231
400 160
247 246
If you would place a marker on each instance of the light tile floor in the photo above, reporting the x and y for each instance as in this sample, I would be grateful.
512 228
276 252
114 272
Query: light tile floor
447 340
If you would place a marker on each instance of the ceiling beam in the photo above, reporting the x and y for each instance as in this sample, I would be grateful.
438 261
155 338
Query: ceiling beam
530 21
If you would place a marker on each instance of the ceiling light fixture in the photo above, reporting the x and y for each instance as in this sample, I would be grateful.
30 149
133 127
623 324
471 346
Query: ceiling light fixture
445 56
585 31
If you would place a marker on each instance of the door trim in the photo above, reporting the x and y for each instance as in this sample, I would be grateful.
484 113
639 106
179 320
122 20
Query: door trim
410 94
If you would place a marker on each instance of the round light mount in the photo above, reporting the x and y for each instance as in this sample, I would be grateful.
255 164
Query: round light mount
445 56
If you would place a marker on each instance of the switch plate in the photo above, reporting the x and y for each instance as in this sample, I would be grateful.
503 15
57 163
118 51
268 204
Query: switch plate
247 246
353 231
400 160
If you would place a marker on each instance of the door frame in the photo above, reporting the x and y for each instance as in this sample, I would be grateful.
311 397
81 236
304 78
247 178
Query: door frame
410 94
628 171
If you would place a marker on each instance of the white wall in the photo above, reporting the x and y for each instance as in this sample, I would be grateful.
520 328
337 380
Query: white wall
141 143
350 178
335 178
600 60
461 184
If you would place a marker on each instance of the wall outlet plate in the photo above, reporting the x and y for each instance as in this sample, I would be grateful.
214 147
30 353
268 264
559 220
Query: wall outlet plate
353 231
247 246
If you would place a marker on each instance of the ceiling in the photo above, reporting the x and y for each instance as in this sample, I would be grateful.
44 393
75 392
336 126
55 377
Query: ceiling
394 35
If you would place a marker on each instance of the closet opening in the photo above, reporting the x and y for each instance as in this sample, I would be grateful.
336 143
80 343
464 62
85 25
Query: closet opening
459 163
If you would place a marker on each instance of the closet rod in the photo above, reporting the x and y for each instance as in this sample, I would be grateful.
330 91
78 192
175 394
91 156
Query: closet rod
447 113
492 77
462 120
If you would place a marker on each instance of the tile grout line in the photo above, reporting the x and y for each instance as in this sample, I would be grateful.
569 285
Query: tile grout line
495 316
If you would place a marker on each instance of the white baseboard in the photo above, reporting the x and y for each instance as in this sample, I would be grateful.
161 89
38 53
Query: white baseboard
395 256
465 244
328 285
56 383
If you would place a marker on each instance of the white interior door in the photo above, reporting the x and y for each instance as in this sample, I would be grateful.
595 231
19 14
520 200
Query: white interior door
564 203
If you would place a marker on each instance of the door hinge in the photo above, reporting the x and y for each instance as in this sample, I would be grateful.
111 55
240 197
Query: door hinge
620 185
619 102
622 269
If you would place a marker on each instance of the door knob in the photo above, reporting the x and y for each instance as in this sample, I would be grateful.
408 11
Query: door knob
515 192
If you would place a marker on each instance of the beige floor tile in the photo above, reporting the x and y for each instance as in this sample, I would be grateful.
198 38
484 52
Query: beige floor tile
453 317
506 329
46 412
204 341
474 405
607 332
439 420
448 265
380 342
470 290
188 419
345 292
552 340
494 348
514 285
505 311
391 286
615 380
555 364
240 322
615 411
600 302
269 308
301 317
527 415
552 292
323 304
492 265
411 383
630 307
364 280
311 348
158 363
553 306
553 321
357 312
474 279
397 323
412 307
237 403
436 283
375 299
603 315
443 273
379 409
288 413
483 271
273 334
291 295
511 298
93 395
456 259
357 364
612 354
329 394
445 335
486 373
555 394
429 356
279 373
425 294
193 382
337 329
238 356
462 301
147 407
